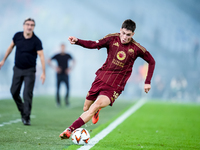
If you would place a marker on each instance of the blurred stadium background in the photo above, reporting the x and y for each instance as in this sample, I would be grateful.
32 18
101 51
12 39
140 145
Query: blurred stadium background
169 29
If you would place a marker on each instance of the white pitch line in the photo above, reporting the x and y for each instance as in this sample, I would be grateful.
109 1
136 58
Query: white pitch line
13 121
112 126
10 122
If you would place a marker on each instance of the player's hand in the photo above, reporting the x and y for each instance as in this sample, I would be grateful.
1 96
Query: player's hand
42 78
147 87
67 71
72 39
58 70
1 64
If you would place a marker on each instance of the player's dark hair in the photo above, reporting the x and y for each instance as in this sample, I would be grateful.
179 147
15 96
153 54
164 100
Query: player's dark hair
29 19
129 25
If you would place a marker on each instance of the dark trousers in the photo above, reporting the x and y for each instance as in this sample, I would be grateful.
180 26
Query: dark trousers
28 77
62 78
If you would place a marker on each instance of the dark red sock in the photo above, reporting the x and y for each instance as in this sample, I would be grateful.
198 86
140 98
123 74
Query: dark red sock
77 124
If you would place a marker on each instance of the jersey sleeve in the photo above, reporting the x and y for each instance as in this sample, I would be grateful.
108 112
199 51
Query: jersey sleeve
39 45
14 37
144 54
54 57
94 44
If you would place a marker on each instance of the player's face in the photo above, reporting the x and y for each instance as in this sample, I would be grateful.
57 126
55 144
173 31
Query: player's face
62 48
125 35
29 27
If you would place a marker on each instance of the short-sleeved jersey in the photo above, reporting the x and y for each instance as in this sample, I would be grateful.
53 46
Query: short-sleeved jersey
118 66
63 61
26 50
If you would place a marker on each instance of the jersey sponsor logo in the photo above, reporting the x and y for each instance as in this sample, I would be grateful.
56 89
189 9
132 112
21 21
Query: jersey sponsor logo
116 44
118 63
121 55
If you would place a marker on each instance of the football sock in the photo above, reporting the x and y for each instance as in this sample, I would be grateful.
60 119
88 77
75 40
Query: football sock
76 124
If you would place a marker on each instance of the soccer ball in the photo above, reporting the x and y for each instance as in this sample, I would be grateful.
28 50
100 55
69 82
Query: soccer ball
80 136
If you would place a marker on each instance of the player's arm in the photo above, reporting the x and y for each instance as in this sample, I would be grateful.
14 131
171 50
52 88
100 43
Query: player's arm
151 65
56 68
89 44
71 67
72 39
51 65
147 87
150 60
9 50
41 55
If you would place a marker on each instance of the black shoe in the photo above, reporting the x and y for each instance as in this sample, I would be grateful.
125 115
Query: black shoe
26 122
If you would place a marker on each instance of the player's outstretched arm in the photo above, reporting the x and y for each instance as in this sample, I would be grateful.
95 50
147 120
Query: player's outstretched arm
72 39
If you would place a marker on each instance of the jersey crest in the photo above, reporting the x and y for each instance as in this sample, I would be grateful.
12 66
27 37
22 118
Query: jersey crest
131 52
121 55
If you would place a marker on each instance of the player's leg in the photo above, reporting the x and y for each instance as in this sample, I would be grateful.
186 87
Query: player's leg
102 101
58 90
90 98
87 104
67 133
15 90
66 80
111 94
29 82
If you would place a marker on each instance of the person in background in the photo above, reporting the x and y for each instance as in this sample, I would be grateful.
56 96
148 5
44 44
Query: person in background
28 46
62 69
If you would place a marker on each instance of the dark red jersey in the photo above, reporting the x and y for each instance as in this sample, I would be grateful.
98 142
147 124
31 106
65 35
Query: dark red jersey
121 57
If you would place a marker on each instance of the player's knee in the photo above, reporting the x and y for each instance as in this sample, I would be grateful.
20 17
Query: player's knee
85 108
13 92
96 106
28 95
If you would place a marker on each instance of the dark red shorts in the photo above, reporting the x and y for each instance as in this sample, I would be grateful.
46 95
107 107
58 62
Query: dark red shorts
101 88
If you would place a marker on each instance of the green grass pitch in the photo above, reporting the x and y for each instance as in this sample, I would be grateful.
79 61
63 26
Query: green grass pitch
156 125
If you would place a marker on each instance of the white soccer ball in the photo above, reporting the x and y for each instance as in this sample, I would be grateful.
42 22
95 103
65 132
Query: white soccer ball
80 136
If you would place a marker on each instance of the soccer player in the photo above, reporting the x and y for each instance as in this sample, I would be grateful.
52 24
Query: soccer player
28 46
111 78
63 69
